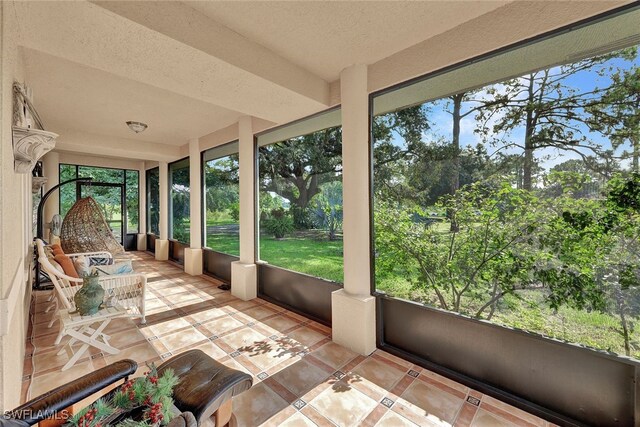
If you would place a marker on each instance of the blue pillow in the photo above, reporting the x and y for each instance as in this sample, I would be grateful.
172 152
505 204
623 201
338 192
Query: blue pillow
121 267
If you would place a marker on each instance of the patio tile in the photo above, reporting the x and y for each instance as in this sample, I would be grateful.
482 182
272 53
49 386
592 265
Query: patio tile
46 361
140 353
209 348
240 305
265 354
290 358
487 419
379 373
123 324
247 339
155 305
168 326
509 412
301 377
298 420
55 379
126 338
259 312
281 323
43 328
257 405
183 297
221 299
193 306
391 419
343 405
306 336
181 339
46 342
431 402
207 315
466 415
223 324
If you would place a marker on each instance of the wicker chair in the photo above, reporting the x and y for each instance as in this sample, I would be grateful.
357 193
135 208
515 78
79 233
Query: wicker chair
84 229
125 291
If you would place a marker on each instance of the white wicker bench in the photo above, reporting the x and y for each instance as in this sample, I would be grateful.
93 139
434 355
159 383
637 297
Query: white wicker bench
127 290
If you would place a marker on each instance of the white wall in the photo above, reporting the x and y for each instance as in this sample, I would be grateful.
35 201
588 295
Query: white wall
15 227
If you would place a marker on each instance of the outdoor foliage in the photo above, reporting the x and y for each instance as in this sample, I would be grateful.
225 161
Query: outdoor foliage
153 200
519 202
296 168
109 198
279 223
301 203
222 204
327 209
132 198
180 193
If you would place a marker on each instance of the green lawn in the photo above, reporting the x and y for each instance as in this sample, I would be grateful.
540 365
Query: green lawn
224 243
214 222
320 258
310 254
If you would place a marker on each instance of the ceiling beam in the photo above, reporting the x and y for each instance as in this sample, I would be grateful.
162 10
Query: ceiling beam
191 27
88 34
74 141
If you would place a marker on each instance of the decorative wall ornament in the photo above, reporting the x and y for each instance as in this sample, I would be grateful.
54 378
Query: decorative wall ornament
29 145
30 140
36 183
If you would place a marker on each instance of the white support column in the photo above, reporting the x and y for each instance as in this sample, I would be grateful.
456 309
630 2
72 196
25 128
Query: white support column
353 307
162 244
51 170
142 208
244 278
193 254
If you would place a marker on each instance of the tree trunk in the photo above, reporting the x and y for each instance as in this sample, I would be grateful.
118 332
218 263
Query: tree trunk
635 142
527 167
455 142
623 319
454 184
306 191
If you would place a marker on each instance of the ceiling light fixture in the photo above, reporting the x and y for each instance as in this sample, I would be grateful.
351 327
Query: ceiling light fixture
137 127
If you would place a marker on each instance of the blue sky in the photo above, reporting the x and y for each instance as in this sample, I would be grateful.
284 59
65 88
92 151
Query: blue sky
582 82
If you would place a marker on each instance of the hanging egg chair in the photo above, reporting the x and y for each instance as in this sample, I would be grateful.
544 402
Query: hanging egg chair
85 229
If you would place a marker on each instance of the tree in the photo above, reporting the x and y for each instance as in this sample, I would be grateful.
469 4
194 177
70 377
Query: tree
619 271
132 200
617 113
221 181
180 203
327 208
550 110
471 269
153 185
409 124
296 168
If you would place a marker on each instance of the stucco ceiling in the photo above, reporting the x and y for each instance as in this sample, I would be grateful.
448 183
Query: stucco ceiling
74 96
189 69
325 37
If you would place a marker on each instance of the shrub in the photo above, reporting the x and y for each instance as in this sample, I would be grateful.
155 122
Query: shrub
327 209
234 211
279 223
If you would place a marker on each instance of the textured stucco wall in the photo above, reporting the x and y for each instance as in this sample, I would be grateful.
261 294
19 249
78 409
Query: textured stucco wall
15 234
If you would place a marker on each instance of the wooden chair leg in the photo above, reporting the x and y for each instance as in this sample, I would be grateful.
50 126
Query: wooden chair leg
224 414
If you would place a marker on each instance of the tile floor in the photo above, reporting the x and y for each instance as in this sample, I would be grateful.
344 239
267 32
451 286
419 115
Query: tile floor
301 378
